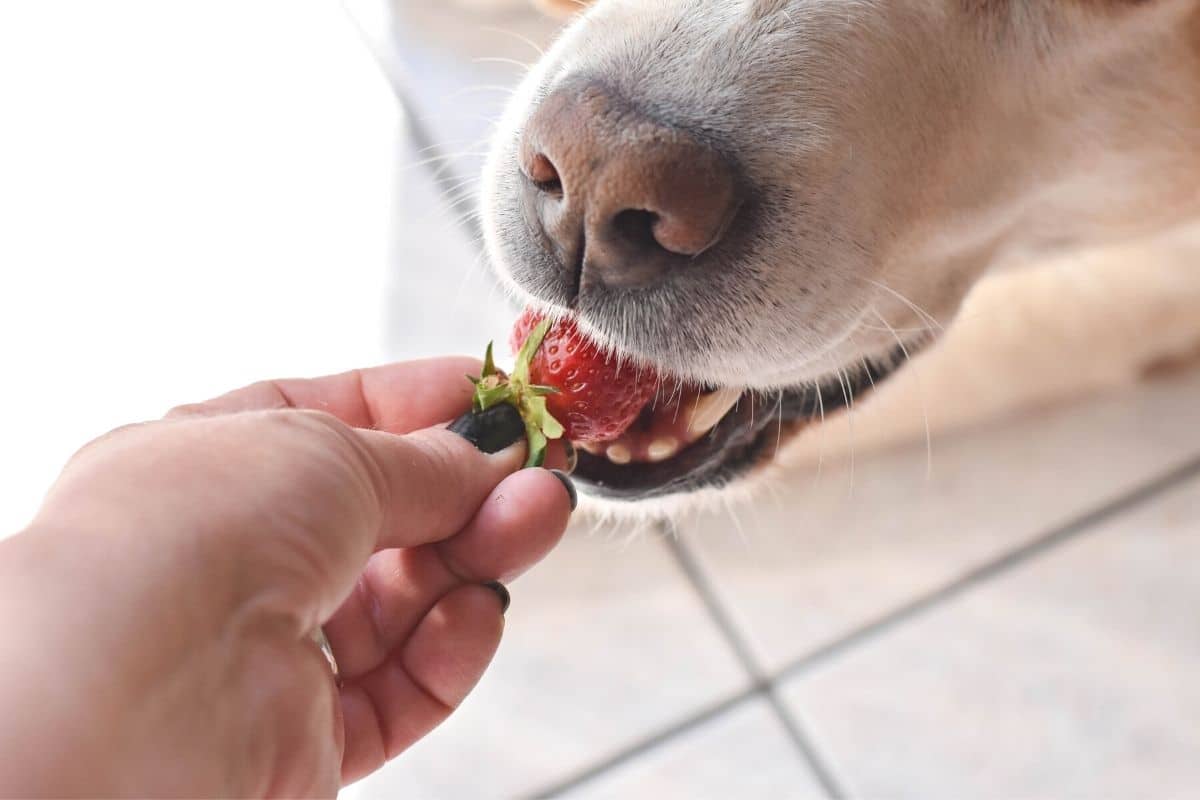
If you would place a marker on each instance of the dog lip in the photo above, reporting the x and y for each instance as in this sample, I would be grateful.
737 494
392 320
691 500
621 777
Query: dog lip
750 433
734 439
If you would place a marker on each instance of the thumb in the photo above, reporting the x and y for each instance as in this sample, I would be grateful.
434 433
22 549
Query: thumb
279 509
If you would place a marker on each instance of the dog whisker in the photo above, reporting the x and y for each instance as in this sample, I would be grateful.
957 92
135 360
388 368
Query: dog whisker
920 393
467 187
778 430
867 371
502 60
441 159
921 313
465 197
821 446
518 36
922 329
458 94
737 522
848 397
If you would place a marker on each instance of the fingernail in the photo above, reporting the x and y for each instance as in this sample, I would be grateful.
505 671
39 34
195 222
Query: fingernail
572 456
570 486
502 593
493 430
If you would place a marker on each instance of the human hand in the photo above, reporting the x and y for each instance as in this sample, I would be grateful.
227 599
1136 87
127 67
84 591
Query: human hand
158 612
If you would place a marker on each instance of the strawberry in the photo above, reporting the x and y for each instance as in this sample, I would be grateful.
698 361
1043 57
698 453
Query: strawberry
597 398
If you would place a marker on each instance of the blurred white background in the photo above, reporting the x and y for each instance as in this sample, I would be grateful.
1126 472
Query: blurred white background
192 196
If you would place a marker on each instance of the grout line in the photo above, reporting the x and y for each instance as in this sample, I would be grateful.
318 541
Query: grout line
733 636
1002 565
999 566
649 743
691 569
813 758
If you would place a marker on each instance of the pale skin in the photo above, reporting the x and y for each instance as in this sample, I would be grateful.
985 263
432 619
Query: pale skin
157 612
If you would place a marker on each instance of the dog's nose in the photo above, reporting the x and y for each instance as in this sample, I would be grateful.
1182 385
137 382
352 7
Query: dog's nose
621 197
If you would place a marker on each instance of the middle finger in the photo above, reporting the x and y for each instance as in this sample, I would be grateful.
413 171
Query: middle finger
521 521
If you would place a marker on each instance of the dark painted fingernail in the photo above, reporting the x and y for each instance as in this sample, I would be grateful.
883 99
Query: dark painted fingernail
569 484
572 456
493 430
502 593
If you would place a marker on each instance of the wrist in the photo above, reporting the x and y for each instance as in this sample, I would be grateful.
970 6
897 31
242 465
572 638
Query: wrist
34 656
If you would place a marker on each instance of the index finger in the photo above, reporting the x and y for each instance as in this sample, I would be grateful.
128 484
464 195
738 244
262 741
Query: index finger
397 398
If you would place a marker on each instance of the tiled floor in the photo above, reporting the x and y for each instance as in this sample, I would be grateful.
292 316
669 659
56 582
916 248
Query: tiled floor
1073 675
1021 622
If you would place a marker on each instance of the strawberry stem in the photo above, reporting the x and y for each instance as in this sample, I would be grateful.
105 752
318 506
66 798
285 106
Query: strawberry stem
493 387
529 350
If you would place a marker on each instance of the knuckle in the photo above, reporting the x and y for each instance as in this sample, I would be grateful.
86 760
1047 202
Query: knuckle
443 453
189 410
330 457
319 499
440 461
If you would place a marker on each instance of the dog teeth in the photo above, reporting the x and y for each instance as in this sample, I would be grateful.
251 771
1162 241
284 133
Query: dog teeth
662 449
619 454
592 447
710 410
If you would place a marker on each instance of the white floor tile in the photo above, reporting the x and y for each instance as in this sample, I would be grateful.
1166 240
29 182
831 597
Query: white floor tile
822 559
1071 677
743 754
605 642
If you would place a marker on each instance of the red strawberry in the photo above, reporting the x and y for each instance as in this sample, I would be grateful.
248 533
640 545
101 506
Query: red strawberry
597 400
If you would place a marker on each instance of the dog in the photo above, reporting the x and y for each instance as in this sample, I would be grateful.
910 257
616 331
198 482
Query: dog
839 223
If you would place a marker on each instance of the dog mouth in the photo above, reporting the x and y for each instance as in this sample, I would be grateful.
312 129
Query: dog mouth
692 437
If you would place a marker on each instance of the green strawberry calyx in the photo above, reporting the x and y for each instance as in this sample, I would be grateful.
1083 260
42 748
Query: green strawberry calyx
493 387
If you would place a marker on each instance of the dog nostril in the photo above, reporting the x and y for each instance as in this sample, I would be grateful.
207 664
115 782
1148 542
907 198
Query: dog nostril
636 228
544 175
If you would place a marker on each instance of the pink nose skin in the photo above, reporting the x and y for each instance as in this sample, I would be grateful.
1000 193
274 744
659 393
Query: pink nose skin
621 198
